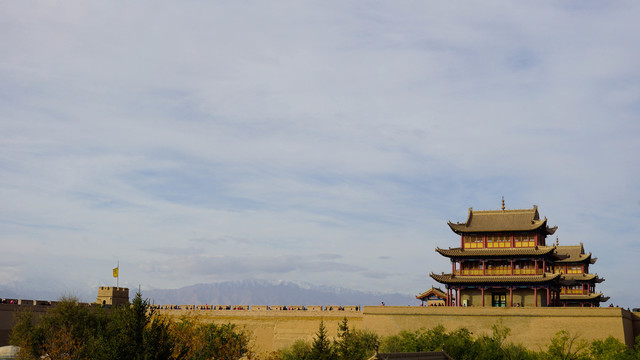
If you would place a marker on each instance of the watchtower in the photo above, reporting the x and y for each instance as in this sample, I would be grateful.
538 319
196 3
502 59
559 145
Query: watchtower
109 295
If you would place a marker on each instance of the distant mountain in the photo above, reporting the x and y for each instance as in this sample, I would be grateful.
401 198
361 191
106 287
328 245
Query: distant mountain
255 292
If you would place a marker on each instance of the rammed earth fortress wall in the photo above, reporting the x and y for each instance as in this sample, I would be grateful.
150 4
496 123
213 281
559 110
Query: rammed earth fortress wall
531 327
275 329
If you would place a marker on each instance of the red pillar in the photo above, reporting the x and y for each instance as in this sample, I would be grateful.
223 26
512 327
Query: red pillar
455 294
482 292
536 266
484 267
511 295
512 267
535 296
548 297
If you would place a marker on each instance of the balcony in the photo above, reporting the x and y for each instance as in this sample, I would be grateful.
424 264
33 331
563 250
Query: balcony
498 272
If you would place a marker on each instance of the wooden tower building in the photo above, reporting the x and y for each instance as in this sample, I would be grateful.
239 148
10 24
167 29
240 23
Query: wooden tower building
504 261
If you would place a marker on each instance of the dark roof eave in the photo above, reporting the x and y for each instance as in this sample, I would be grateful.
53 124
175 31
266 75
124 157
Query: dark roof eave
582 277
597 297
586 258
463 228
435 291
452 226
493 252
536 279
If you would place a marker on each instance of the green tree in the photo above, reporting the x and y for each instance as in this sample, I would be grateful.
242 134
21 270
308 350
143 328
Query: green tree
460 345
392 343
610 348
26 335
321 347
76 331
565 346
495 346
134 332
299 350
69 328
199 341
415 341
353 344
433 339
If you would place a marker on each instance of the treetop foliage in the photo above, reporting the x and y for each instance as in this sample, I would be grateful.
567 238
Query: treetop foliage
72 330
460 344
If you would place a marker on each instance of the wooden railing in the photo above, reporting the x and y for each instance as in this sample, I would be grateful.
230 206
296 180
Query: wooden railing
574 292
493 272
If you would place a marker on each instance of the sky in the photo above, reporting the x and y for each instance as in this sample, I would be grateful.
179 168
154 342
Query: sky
318 142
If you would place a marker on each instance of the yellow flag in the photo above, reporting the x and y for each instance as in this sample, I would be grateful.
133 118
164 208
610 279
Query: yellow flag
115 272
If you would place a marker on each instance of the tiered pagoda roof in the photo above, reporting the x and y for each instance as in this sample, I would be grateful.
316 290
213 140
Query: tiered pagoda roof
493 252
433 291
582 277
502 221
573 254
472 279
595 297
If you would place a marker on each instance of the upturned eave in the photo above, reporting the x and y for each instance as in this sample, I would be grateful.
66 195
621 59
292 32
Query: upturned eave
450 279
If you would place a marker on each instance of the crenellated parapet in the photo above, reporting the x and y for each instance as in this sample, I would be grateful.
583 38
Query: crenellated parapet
25 302
260 308
111 295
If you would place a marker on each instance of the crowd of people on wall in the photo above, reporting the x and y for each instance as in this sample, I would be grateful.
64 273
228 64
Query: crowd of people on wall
247 307
26 302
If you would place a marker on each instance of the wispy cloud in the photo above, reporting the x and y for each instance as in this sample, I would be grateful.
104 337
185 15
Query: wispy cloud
292 141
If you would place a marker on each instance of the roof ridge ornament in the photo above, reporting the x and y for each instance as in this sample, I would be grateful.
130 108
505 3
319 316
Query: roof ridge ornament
503 203
557 241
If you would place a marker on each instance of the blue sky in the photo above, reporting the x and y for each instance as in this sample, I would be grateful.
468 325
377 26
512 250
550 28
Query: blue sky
320 142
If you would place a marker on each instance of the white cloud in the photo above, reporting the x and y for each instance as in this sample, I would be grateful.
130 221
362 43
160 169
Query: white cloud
332 134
